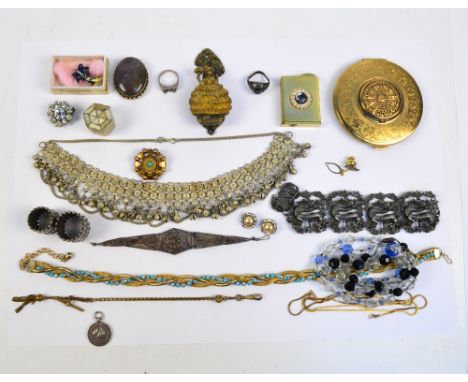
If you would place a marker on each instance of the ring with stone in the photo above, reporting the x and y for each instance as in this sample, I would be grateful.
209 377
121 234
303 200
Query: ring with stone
261 84
163 82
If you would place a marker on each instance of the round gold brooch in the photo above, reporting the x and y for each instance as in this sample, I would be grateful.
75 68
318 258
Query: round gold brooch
150 164
378 102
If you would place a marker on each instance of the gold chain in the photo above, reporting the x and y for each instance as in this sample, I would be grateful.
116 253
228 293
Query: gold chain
310 302
68 300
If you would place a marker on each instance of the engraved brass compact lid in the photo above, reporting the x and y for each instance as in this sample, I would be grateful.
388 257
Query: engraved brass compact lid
378 102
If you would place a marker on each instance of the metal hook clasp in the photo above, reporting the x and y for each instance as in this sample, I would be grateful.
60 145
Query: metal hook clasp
339 170
165 140
255 296
446 257
349 165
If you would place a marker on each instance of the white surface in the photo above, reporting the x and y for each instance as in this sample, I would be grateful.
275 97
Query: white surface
436 334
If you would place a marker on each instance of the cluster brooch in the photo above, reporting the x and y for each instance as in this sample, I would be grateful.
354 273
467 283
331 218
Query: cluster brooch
349 211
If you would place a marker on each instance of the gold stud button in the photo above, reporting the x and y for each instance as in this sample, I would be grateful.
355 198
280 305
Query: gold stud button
249 220
268 226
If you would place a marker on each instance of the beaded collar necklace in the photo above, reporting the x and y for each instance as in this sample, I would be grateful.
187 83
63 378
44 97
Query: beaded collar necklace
156 203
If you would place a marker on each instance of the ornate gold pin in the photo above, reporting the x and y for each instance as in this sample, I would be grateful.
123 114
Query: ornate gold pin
150 164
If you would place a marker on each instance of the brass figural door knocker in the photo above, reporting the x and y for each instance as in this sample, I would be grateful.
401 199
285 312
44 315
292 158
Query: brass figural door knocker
209 101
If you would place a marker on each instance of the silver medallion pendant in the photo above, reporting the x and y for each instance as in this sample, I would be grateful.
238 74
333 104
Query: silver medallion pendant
99 333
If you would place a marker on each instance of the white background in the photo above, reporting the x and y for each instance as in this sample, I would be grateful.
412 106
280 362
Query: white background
245 336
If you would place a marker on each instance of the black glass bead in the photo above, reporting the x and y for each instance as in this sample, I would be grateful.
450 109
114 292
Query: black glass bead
371 293
301 98
404 246
334 263
397 292
344 258
349 286
358 264
414 272
378 286
353 279
385 260
404 273
365 257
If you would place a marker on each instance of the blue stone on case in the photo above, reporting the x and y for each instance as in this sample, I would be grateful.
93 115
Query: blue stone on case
301 98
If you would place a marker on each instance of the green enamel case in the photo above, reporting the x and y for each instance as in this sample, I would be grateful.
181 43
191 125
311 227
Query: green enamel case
300 101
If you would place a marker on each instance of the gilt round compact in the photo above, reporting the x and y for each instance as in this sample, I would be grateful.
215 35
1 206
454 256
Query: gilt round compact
378 102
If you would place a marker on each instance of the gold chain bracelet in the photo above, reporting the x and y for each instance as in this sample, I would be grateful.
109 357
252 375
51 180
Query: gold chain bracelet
68 300
28 263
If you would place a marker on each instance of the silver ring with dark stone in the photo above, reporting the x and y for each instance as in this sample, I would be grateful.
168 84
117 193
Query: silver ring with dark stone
171 87
260 85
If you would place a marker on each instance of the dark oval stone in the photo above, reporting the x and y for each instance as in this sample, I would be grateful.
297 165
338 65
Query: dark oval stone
130 78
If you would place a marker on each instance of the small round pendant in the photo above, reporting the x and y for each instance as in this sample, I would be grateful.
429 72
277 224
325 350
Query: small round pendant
99 333
150 164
